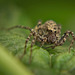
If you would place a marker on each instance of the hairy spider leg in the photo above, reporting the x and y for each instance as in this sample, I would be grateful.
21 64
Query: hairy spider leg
64 37
32 43
23 27
27 42
19 26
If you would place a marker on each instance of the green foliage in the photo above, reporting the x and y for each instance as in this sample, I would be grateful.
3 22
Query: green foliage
11 66
51 61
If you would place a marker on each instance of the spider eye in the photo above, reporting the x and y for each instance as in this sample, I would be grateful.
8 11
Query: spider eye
55 31
50 30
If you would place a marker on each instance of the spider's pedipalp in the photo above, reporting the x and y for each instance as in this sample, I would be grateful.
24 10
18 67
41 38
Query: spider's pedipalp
44 40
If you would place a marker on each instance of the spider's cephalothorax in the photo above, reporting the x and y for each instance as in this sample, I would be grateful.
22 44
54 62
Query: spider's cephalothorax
47 33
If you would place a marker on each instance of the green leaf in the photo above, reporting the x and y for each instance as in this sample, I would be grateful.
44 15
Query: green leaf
44 61
11 66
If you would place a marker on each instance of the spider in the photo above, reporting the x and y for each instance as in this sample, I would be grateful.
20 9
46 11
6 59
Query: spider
47 33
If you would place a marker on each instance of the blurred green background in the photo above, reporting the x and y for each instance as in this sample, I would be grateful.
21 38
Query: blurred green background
27 13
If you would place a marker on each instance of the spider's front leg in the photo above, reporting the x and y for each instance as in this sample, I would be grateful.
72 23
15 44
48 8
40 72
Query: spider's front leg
26 41
64 37
32 43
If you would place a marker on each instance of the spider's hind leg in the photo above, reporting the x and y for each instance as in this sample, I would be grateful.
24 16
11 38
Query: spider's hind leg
64 37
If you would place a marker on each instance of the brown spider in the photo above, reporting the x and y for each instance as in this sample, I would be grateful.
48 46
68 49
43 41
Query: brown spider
47 33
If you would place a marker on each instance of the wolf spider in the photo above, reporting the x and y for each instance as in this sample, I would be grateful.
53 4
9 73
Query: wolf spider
47 33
